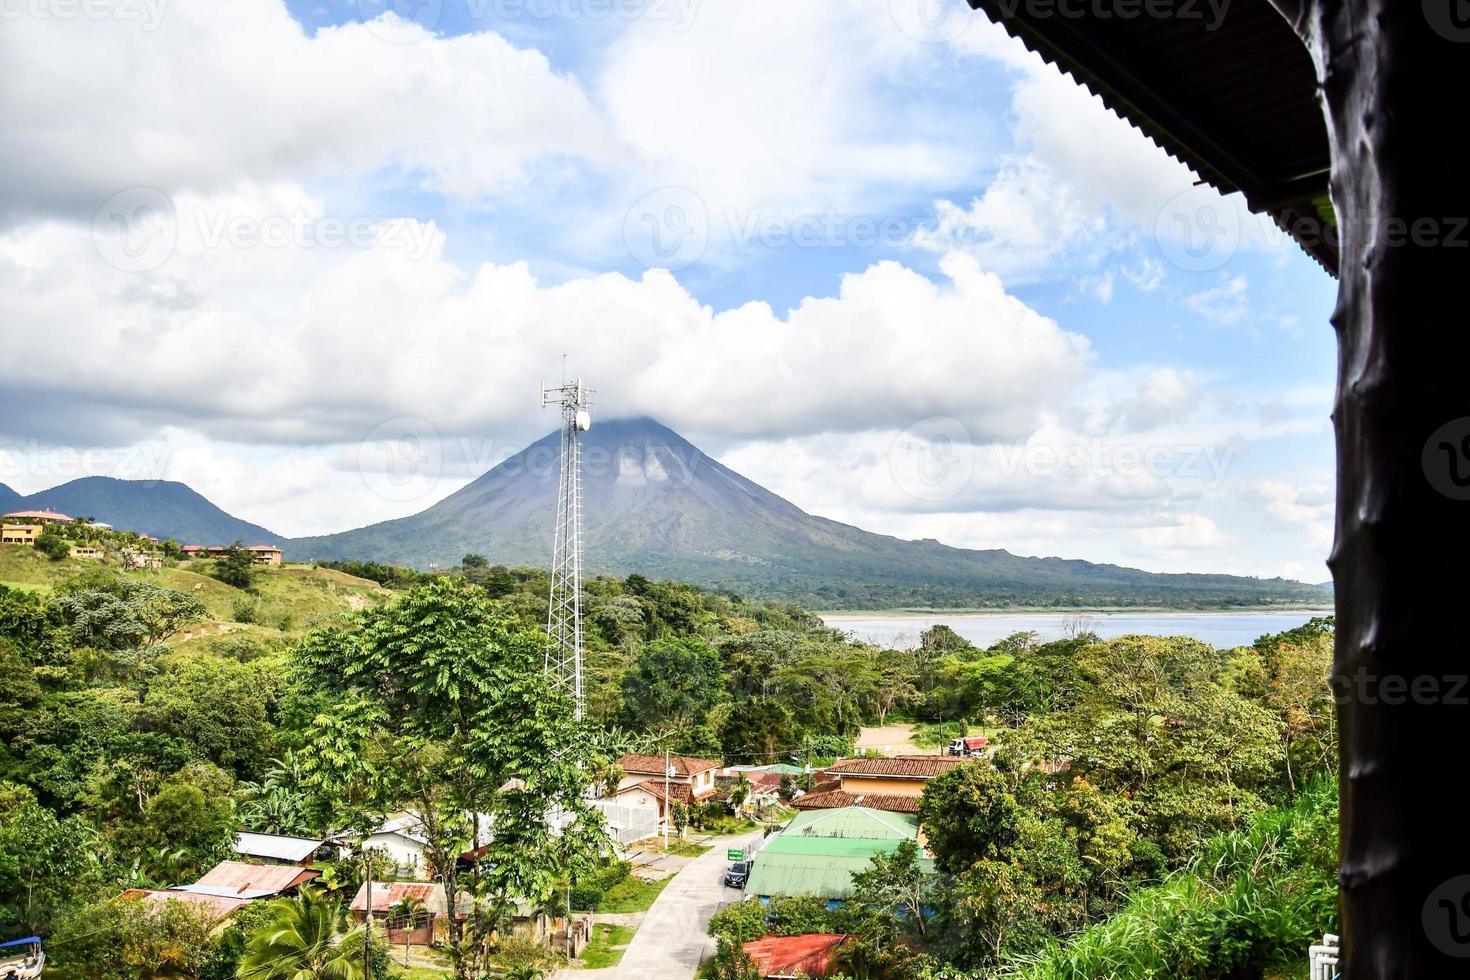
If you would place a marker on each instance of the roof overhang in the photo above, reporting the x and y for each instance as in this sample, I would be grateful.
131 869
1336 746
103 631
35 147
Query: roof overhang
1232 96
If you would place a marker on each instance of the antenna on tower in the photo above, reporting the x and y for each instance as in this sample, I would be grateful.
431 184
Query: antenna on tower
564 613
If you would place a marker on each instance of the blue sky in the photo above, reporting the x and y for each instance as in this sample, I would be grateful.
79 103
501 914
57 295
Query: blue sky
901 268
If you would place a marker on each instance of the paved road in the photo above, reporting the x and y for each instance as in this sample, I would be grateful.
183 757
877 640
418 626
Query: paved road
673 938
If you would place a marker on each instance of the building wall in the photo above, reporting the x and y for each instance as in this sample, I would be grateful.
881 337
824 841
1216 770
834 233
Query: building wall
19 533
407 854
883 784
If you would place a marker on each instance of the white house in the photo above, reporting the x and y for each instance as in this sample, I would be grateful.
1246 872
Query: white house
401 837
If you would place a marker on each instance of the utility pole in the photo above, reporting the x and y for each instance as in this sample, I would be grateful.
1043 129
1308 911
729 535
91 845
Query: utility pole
367 936
668 803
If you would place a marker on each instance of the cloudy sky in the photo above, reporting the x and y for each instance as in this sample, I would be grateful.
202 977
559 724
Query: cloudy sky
871 254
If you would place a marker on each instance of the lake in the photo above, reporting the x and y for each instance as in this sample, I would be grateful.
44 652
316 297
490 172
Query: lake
1224 629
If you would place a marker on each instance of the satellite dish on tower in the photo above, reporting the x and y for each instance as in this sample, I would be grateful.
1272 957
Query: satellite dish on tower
584 421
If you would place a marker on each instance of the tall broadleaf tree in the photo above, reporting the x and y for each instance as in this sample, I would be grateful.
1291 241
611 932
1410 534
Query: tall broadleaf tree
439 705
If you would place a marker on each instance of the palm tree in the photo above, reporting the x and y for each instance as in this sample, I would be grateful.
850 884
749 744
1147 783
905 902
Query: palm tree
408 911
300 942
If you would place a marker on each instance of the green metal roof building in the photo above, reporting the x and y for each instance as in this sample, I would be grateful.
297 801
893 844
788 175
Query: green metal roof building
820 850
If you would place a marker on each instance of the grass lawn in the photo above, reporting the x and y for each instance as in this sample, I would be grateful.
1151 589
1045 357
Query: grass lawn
677 848
599 952
632 894
421 973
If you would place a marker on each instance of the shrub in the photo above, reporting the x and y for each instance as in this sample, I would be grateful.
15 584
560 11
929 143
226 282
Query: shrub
740 922
245 609
52 545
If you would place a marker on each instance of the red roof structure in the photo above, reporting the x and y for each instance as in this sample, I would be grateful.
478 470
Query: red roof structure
898 767
240 880
217 906
792 956
39 515
835 799
682 765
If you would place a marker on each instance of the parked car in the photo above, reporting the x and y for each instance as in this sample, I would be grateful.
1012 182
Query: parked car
968 746
737 873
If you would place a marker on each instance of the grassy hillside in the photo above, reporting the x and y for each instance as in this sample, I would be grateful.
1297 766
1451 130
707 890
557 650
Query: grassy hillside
289 599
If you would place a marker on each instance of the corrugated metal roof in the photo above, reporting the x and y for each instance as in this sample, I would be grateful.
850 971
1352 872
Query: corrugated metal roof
816 866
790 956
217 905
387 894
852 822
276 846
250 880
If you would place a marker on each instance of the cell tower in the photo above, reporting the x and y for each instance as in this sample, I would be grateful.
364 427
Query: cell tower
564 617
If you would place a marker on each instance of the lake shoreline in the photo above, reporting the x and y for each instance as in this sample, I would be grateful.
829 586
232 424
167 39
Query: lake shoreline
1225 629
917 612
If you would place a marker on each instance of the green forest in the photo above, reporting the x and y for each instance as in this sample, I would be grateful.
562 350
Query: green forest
1155 807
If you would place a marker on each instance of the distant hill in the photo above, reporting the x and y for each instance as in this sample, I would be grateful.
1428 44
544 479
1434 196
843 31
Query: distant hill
163 508
8 498
656 505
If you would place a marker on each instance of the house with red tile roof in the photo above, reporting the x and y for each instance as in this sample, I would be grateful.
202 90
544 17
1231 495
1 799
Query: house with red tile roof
785 957
894 784
645 783
44 516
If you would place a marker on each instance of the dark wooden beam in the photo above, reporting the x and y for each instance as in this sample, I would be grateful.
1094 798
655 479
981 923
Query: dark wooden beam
1392 76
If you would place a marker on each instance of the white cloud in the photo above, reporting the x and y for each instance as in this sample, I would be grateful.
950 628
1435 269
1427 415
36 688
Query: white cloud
1186 532
1226 304
305 343
220 93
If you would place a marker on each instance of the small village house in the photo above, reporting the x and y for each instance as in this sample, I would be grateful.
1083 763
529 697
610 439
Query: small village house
646 782
820 850
427 925
24 534
402 840
892 784
86 551
236 879
281 849
261 554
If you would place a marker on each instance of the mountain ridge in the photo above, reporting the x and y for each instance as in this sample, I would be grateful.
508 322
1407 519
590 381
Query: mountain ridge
657 505
162 508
